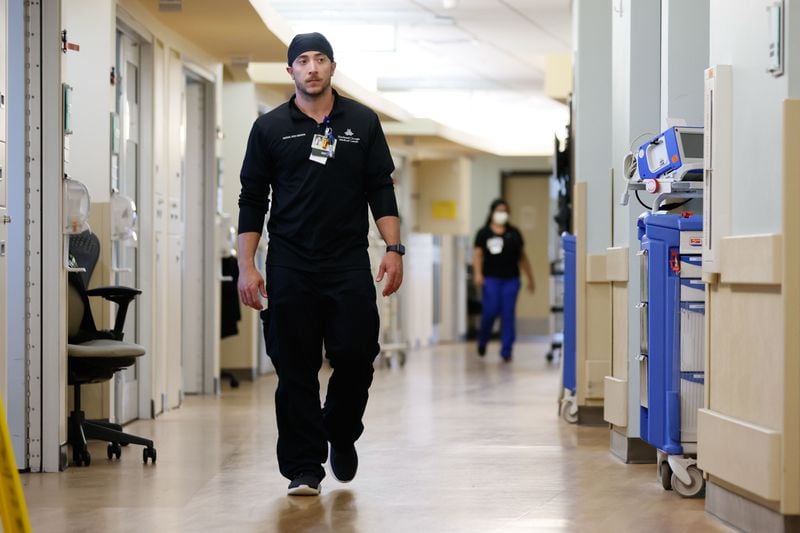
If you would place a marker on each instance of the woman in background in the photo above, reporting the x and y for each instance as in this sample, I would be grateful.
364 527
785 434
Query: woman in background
499 254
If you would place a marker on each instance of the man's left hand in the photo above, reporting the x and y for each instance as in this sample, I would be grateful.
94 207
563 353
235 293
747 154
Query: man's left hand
392 268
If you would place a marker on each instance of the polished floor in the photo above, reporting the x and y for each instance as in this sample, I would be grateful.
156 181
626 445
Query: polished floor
453 443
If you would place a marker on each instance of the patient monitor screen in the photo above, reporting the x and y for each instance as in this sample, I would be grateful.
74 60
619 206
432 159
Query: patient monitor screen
692 145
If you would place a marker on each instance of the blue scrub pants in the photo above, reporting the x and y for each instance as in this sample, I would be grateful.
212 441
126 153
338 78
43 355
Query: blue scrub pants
499 299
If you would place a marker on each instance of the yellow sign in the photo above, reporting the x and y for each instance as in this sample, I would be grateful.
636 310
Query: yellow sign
444 210
12 500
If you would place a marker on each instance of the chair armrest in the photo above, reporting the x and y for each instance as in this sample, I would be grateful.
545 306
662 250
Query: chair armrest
122 296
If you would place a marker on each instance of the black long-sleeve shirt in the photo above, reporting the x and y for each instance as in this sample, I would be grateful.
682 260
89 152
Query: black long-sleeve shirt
318 219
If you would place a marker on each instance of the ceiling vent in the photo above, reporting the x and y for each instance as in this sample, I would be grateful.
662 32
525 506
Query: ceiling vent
170 5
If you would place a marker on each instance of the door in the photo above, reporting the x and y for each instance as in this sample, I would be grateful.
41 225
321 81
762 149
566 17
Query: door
528 197
195 255
125 166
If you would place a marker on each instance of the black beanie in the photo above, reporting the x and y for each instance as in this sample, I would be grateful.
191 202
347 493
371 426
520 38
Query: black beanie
309 42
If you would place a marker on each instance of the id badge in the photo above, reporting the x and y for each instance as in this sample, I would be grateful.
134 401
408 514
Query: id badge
495 245
322 149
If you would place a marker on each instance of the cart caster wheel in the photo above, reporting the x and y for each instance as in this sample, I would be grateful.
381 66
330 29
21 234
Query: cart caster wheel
693 490
665 475
401 358
567 415
149 453
549 357
114 450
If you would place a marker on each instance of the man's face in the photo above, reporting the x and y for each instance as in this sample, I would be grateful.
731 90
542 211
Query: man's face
312 73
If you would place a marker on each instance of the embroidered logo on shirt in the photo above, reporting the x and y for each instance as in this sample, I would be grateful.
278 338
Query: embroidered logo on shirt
348 137
295 136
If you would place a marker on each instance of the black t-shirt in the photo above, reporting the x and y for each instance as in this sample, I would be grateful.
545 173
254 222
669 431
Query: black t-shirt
501 253
318 220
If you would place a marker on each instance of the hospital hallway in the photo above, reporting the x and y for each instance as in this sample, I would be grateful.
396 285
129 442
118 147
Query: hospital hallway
452 443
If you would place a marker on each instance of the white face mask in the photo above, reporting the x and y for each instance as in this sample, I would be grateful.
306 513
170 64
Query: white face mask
500 218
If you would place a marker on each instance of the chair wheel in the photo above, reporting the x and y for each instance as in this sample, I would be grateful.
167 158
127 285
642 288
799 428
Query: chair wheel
84 458
114 450
149 453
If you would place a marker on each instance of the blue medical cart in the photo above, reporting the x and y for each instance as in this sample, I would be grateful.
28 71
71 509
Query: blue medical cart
568 407
671 351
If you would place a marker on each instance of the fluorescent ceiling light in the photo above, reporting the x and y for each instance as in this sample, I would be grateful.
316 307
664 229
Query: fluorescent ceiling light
353 37
449 4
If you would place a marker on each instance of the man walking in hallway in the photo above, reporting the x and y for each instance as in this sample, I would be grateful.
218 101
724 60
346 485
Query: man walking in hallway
326 160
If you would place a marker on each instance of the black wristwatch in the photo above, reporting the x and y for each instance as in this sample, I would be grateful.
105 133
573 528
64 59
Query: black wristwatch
398 248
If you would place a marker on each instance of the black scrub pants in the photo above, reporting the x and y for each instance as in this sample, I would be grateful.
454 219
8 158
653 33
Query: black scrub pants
309 310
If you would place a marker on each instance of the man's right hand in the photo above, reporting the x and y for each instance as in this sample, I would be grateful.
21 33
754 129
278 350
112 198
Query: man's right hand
251 288
478 280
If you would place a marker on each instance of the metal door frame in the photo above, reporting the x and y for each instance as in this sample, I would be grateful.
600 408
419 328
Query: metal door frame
122 412
146 275
211 269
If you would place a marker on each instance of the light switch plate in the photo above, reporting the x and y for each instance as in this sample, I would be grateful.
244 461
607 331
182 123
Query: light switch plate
775 13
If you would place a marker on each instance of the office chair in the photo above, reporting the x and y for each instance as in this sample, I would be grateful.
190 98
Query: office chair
95 355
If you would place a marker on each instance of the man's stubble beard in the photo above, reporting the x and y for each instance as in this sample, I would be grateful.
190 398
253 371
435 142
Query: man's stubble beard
322 89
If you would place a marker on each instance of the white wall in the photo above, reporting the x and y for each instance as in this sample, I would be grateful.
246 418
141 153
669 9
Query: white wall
592 116
240 109
739 38
636 90
792 53
92 25
445 180
486 182
684 58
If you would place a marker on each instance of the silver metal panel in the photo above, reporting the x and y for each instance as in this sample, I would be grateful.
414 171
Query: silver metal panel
33 237
644 275
644 331
53 276
643 388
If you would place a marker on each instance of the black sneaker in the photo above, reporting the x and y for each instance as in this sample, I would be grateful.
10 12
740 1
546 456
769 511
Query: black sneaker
304 485
481 350
344 462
